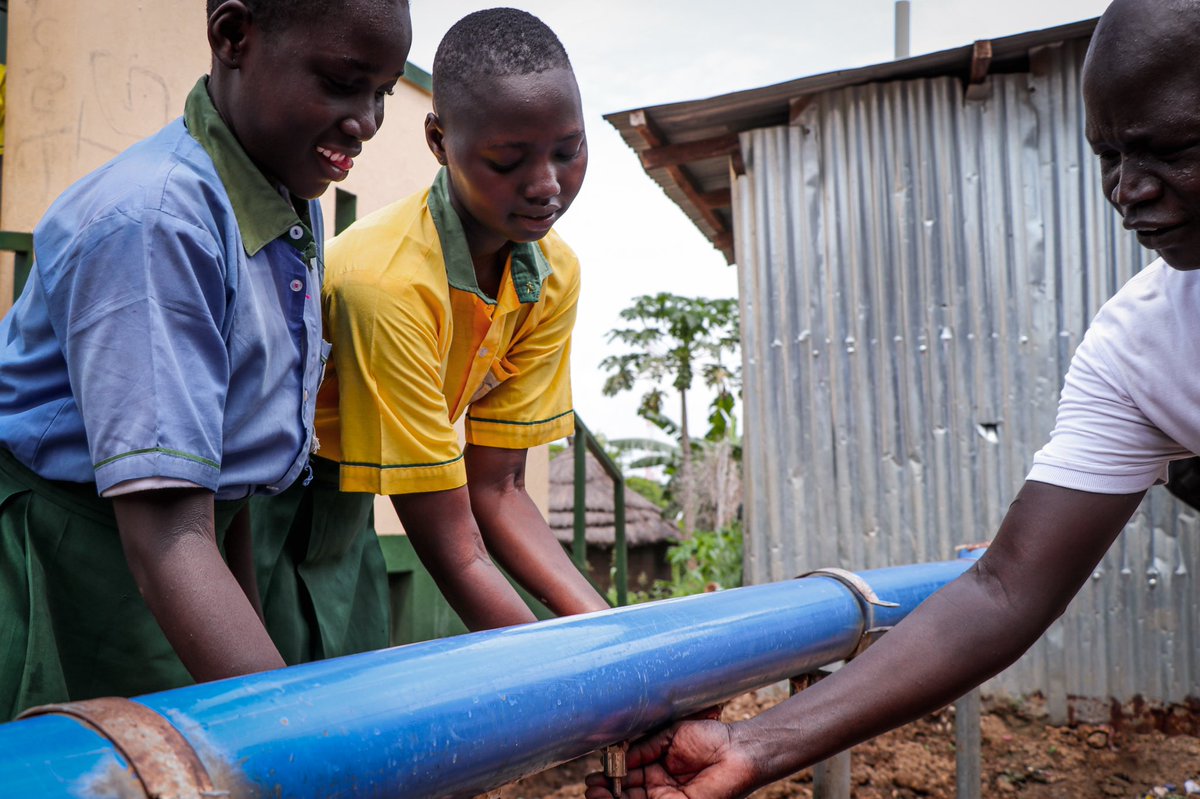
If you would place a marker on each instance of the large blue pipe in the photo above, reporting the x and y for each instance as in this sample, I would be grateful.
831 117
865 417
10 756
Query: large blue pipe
460 716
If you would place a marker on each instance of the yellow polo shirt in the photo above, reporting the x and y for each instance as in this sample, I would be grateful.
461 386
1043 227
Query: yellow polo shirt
416 344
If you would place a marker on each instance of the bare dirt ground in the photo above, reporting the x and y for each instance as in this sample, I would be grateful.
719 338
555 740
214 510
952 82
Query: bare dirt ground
1023 756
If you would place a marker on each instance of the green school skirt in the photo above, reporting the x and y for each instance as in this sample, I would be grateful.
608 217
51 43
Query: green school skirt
320 569
72 622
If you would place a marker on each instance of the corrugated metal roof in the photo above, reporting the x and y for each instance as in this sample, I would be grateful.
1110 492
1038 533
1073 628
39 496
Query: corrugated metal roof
700 186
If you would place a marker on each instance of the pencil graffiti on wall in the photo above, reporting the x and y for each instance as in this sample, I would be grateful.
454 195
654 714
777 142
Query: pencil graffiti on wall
86 84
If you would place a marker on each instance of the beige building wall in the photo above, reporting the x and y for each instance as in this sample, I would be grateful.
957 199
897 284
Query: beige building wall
88 79
84 83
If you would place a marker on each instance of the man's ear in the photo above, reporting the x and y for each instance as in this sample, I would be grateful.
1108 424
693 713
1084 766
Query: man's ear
435 137
228 31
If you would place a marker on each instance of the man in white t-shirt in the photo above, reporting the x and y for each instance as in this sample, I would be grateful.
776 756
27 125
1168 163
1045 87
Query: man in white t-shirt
1130 405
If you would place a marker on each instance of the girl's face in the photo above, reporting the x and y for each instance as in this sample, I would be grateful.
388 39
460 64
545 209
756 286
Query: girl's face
516 154
304 97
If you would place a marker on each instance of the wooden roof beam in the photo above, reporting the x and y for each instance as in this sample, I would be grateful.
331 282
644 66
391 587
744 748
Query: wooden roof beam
721 198
797 106
646 129
981 62
705 203
678 154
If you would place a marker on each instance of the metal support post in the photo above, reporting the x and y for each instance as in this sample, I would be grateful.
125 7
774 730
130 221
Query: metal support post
831 778
968 765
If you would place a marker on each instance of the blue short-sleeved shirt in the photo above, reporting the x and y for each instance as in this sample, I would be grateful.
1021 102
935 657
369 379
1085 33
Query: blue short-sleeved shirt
171 325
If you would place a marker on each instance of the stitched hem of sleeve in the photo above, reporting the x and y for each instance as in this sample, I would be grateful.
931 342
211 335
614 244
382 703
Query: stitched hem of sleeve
157 462
518 435
1097 483
388 480
146 484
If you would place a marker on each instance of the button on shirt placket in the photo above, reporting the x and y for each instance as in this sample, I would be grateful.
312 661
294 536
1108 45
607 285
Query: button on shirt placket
489 347
309 284
312 326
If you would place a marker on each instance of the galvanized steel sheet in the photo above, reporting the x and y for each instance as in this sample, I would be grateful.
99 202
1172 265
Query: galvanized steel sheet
916 269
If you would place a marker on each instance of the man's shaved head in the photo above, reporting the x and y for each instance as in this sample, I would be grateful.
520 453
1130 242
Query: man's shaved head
1141 88
1134 36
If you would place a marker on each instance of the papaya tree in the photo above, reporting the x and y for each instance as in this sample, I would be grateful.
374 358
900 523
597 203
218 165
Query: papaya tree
672 342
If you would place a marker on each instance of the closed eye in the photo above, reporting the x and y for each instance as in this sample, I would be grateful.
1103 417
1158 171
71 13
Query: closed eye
337 86
570 154
1171 153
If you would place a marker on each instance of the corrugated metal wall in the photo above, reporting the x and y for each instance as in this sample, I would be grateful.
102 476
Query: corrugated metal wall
916 270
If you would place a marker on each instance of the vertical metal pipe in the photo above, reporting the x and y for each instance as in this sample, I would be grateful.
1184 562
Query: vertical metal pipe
968 761
831 778
457 717
903 16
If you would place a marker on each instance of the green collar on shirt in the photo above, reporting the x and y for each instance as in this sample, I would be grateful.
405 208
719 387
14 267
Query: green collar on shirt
262 213
529 265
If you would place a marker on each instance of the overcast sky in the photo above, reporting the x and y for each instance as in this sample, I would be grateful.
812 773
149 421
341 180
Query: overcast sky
631 239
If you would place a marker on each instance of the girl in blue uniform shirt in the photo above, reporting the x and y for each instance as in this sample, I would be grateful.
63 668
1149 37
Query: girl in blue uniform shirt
162 363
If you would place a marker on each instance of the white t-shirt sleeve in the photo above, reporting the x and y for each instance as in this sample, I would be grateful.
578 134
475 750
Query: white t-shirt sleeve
1131 400
1102 441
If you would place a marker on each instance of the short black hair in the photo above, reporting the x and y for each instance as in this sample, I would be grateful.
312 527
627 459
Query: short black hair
494 42
271 15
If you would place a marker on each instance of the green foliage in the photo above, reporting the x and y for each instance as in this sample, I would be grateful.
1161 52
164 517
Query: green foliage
644 453
672 338
707 561
722 424
650 489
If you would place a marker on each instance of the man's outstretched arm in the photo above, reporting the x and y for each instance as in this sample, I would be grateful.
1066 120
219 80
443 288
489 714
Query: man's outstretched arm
1048 544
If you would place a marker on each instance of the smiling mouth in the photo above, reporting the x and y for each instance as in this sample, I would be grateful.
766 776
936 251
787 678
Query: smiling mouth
339 161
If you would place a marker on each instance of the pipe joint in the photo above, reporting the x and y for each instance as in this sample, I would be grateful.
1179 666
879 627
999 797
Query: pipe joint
163 761
868 600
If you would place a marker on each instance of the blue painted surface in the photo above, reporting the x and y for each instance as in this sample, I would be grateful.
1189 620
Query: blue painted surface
55 756
459 716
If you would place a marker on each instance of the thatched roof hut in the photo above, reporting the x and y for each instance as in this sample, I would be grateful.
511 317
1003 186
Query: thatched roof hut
647 533
644 523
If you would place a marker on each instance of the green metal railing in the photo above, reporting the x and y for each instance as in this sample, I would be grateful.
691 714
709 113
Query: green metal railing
584 441
21 245
345 209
